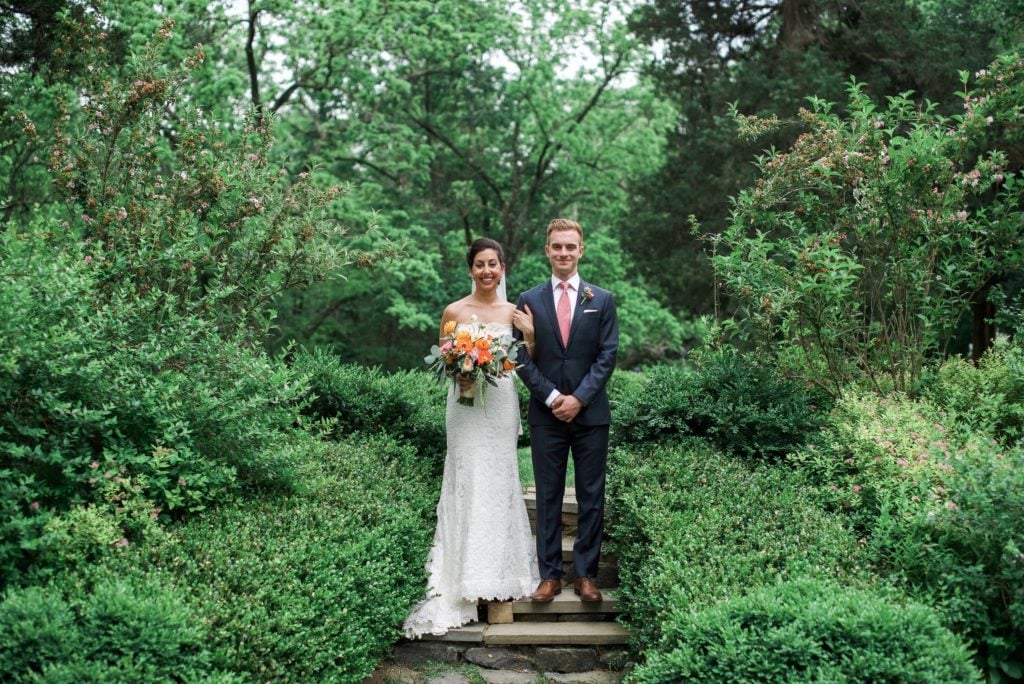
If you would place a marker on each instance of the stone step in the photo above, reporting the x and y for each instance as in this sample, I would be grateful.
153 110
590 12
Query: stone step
569 503
561 633
566 602
533 633
473 633
567 543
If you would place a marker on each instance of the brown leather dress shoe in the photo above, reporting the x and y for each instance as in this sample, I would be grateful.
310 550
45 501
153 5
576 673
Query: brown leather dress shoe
546 591
587 589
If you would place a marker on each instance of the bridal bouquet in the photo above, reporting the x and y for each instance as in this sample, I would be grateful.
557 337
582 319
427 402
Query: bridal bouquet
472 353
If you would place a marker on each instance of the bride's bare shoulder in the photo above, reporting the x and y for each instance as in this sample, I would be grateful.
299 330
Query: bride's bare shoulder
457 310
505 311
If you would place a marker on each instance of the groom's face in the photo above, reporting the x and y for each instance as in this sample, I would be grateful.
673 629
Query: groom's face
564 249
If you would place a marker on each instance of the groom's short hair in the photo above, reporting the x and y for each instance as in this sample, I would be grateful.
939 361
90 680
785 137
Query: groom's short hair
565 224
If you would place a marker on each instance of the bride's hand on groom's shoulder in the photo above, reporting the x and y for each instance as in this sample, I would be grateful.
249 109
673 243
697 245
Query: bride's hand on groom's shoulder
523 321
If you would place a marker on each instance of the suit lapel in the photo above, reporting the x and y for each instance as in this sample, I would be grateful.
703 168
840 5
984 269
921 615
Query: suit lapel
577 312
548 302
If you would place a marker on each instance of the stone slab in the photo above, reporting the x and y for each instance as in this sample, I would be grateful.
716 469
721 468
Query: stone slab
499 658
566 602
472 633
562 633
566 659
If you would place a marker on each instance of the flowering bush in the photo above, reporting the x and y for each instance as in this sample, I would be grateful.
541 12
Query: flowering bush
937 507
862 245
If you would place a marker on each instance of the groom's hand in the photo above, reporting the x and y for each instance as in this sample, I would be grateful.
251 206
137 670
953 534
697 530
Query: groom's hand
566 407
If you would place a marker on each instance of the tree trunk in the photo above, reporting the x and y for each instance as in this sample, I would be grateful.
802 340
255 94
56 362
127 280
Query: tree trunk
983 331
799 24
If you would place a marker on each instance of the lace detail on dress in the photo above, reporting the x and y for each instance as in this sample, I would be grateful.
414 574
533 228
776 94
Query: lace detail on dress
483 547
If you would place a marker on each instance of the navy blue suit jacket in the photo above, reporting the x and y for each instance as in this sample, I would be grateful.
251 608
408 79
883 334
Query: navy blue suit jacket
583 367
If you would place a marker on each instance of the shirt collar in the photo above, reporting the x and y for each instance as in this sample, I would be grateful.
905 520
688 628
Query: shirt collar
574 282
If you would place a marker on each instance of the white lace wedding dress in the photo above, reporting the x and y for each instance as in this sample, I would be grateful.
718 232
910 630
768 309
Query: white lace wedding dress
483 547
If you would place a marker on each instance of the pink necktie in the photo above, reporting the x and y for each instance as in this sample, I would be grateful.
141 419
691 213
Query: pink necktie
564 313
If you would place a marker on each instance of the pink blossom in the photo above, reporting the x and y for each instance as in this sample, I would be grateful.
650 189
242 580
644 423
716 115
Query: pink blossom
915 499
34 505
951 506
121 543
181 482
94 465
856 489
902 461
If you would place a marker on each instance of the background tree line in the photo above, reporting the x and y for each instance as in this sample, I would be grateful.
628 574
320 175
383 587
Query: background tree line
448 119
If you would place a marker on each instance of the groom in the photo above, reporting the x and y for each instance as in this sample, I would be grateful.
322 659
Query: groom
566 367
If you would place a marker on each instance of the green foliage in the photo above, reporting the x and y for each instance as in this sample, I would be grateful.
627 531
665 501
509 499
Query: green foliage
938 508
810 631
965 555
349 399
861 246
204 220
310 586
766 58
107 404
740 405
988 397
136 380
691 527
123 631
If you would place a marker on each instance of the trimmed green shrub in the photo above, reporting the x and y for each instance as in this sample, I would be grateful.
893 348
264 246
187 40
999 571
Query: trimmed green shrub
123 631
351 399
123 395
809 631
691 527
743 407
310 586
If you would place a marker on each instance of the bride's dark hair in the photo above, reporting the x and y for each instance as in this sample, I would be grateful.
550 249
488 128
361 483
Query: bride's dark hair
479 245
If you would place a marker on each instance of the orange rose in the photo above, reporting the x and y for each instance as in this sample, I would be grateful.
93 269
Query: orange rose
449 327
484 355
483 344
463 342
508 364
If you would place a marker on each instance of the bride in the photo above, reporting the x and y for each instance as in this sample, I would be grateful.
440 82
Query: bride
483 547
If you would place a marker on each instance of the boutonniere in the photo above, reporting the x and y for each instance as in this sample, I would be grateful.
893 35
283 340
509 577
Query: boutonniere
586 295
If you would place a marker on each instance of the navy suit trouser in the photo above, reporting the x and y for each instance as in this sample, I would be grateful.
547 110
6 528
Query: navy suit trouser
551 445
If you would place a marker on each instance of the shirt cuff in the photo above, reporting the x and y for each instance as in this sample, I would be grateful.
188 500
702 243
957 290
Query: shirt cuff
551 397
